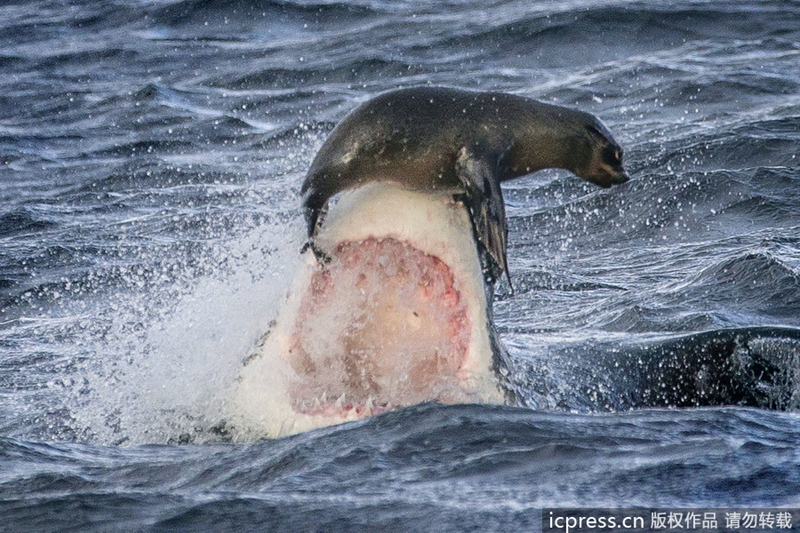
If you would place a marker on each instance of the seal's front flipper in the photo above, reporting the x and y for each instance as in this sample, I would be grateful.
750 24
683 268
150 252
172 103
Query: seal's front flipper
484 199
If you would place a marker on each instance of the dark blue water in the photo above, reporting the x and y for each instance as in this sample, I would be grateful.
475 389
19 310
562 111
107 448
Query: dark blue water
151 154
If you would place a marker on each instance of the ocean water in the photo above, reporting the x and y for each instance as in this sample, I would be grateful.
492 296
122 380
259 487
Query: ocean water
151 154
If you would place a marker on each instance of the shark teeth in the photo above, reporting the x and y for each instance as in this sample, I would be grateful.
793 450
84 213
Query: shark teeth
368 407
324 405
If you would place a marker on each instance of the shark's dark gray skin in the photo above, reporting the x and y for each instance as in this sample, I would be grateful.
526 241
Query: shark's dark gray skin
437 138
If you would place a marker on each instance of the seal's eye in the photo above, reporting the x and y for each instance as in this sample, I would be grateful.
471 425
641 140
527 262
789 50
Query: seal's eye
612 155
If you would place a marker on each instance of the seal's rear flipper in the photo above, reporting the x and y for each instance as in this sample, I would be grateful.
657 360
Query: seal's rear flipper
321 257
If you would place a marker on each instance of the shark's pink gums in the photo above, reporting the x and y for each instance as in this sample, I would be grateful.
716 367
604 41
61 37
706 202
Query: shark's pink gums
397 330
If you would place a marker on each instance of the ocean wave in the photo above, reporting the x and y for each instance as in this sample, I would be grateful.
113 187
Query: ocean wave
404 468
350 72
751 283
23 220
199 13
607 32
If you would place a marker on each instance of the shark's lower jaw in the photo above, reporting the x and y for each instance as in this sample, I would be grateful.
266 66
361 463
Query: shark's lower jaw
398 316
382 325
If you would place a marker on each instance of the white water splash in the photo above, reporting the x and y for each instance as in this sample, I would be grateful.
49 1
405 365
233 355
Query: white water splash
168 378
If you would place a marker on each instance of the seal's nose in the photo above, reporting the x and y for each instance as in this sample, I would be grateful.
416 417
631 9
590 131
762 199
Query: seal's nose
621 178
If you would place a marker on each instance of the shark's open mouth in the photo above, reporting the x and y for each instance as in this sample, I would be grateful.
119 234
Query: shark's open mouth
383 324
398 316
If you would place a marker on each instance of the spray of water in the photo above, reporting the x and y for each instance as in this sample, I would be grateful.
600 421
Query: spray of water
167 378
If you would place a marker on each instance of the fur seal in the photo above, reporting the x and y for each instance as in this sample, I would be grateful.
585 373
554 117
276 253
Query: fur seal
437 138
392 303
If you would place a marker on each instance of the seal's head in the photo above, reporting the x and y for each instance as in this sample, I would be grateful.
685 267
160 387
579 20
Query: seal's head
604 164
